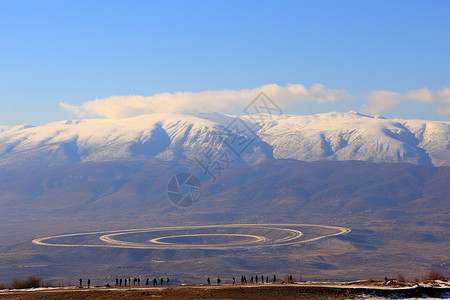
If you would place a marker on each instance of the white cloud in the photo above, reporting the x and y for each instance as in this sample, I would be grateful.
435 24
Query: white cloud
128 106
381 101
376 102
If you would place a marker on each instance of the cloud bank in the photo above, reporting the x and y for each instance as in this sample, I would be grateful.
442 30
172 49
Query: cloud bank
117 107
382 101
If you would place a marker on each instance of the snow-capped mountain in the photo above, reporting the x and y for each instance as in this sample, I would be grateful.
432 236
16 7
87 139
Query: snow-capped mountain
353 136
329 136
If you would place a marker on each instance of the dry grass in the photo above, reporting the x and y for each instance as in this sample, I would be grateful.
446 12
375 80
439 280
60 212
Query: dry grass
434 275
401 278
30 282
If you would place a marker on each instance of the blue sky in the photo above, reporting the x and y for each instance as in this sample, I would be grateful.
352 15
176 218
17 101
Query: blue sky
79 51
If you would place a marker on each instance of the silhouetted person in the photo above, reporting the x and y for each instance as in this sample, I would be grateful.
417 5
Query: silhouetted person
117 281
146 282
120 282
242 279
262 278
125 282
167 281
290 278
256 279
245 279
218 280
129 281
89 283
208 281
267 279
155 282
234 280
81 282
251 279
274 278
162 281
139 281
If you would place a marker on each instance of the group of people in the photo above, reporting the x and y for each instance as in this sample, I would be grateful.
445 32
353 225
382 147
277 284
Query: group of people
253 279
137 281
88 283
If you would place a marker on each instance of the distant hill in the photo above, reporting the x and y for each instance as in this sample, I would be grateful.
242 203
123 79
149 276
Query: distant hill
283 189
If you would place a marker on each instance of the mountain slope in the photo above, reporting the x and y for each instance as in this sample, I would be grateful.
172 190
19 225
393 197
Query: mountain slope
331 136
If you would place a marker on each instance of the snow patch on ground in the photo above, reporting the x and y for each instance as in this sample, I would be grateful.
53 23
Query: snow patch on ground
443 296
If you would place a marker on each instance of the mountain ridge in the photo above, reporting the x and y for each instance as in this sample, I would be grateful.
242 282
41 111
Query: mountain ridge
328 136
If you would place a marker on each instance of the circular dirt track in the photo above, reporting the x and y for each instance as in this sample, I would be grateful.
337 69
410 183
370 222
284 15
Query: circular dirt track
214 237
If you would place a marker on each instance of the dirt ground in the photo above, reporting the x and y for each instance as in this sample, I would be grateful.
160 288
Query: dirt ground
188 292
272 291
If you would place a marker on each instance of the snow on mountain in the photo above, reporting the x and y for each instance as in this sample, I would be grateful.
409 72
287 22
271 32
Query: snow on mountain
330 136
353 136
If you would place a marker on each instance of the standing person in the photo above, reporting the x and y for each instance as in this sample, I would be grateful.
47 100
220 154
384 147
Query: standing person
218 280
81 282
251 279
234 280
167 281
89 283
120 282
262 278
146 282
139 281
267 279
162 281
242 279
256 279
155 283
125 282
208 281
117 281
274 278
